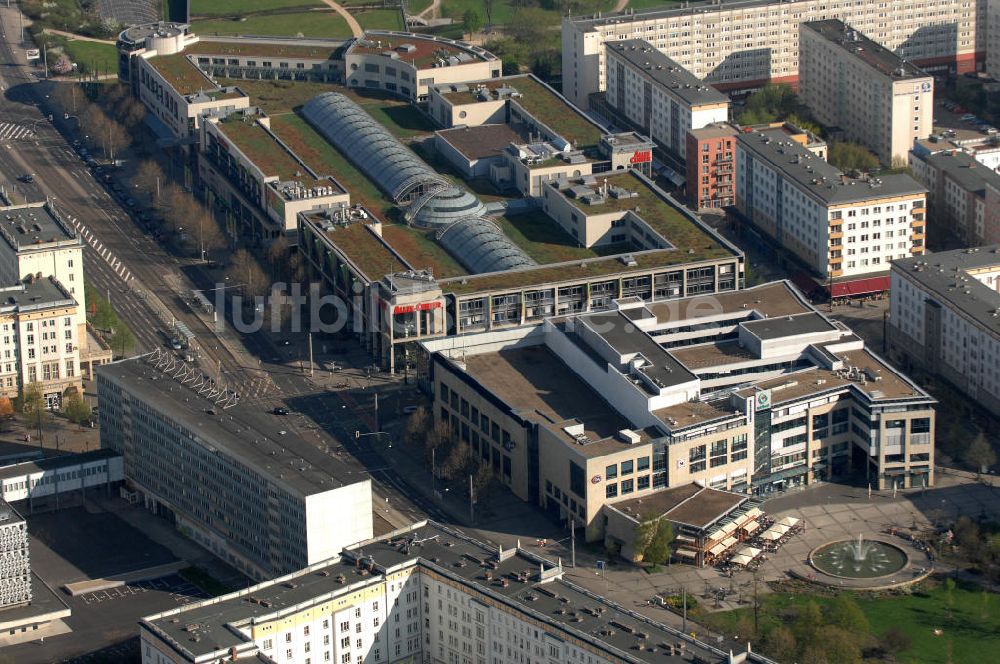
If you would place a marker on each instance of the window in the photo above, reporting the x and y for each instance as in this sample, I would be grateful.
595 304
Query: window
611 472
577 483
627 486
345 626
627 467
611 491
643 482
696 459
642 464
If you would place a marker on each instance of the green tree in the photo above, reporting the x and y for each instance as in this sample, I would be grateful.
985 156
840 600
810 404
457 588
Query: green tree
658 550
831 645
75 408
644 533
803 123
807 622
980 453
123 340
779 642
844 612
849 156
471 22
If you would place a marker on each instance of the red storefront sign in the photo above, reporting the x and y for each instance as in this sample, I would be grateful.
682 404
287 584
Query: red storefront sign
410 308
641 157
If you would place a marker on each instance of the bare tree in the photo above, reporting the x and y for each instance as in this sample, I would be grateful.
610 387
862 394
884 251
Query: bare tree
244 269
117 137
94 124
148 177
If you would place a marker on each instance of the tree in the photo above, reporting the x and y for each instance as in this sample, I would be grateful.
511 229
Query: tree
658 549
75 408
115 138
895 641
94 124
779 642
33 405
149 179
807 623
68 96
488 8
831 645
848 156
123 340
418 426
471 22
6 412
63 65
980 454
844 612
244 270
457 461
802 123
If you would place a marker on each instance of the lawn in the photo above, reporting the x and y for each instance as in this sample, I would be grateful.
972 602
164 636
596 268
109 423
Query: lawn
380 19
234 7
640 5
414 7
325 23
973 629
504 11
280 96
542 238
92 56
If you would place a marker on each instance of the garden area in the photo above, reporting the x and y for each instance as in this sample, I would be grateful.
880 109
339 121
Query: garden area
940 620
322 22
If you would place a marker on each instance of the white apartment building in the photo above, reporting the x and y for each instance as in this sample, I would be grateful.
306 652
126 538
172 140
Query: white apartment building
36 240
257 496
945 319
658 96
741 45
843 228
39 339
993 38
421 594
15 562
879 99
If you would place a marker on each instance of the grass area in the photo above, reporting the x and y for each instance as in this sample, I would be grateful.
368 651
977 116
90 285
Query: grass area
972 629
309 24
421 250
380 19
92 57
506 11
279 96
545 105
542 238
233 7
205 581
326 160
414 7
640 5
260 148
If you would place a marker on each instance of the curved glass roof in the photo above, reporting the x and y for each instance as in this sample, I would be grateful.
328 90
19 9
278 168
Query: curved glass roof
369 145
481 246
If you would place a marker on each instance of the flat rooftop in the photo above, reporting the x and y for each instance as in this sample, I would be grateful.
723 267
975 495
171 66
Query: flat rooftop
689 504
946 275
666 72
789 326
482 141
512 580
777 298
34 224
705 356
718 130
54 463
866 50
181 74
540 387
299 49
363 247
965 170
41 293
422 51
261 148
816 177
243 432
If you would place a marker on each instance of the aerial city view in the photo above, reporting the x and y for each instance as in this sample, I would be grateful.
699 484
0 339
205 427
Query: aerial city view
499 331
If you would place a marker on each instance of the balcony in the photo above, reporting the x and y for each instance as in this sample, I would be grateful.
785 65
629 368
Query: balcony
724 160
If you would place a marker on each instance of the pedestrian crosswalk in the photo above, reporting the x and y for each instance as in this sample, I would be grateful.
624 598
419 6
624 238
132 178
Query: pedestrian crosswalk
12 131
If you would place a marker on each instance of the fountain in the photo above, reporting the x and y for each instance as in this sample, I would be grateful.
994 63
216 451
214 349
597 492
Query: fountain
859 559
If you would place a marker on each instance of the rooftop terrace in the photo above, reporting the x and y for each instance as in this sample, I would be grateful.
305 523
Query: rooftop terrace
181 74
260 147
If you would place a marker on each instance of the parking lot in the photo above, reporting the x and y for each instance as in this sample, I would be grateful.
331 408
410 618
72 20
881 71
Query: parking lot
80 543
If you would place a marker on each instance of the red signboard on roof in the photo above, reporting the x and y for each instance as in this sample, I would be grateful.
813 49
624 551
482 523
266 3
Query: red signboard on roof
410 308
641 157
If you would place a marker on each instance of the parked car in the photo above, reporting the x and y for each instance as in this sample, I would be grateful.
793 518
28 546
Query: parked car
280 411
27 178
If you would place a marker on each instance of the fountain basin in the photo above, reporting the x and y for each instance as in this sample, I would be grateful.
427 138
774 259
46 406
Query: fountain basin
858 559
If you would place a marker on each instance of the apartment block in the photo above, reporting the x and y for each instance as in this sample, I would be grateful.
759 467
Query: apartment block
15 562
739 46
754 392
876 97
657 96
845 230
39 339
711 167
257 496
944 319
960 193
993 38
426 593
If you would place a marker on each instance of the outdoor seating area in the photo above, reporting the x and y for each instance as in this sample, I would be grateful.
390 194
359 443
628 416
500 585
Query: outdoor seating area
724 542
768 537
